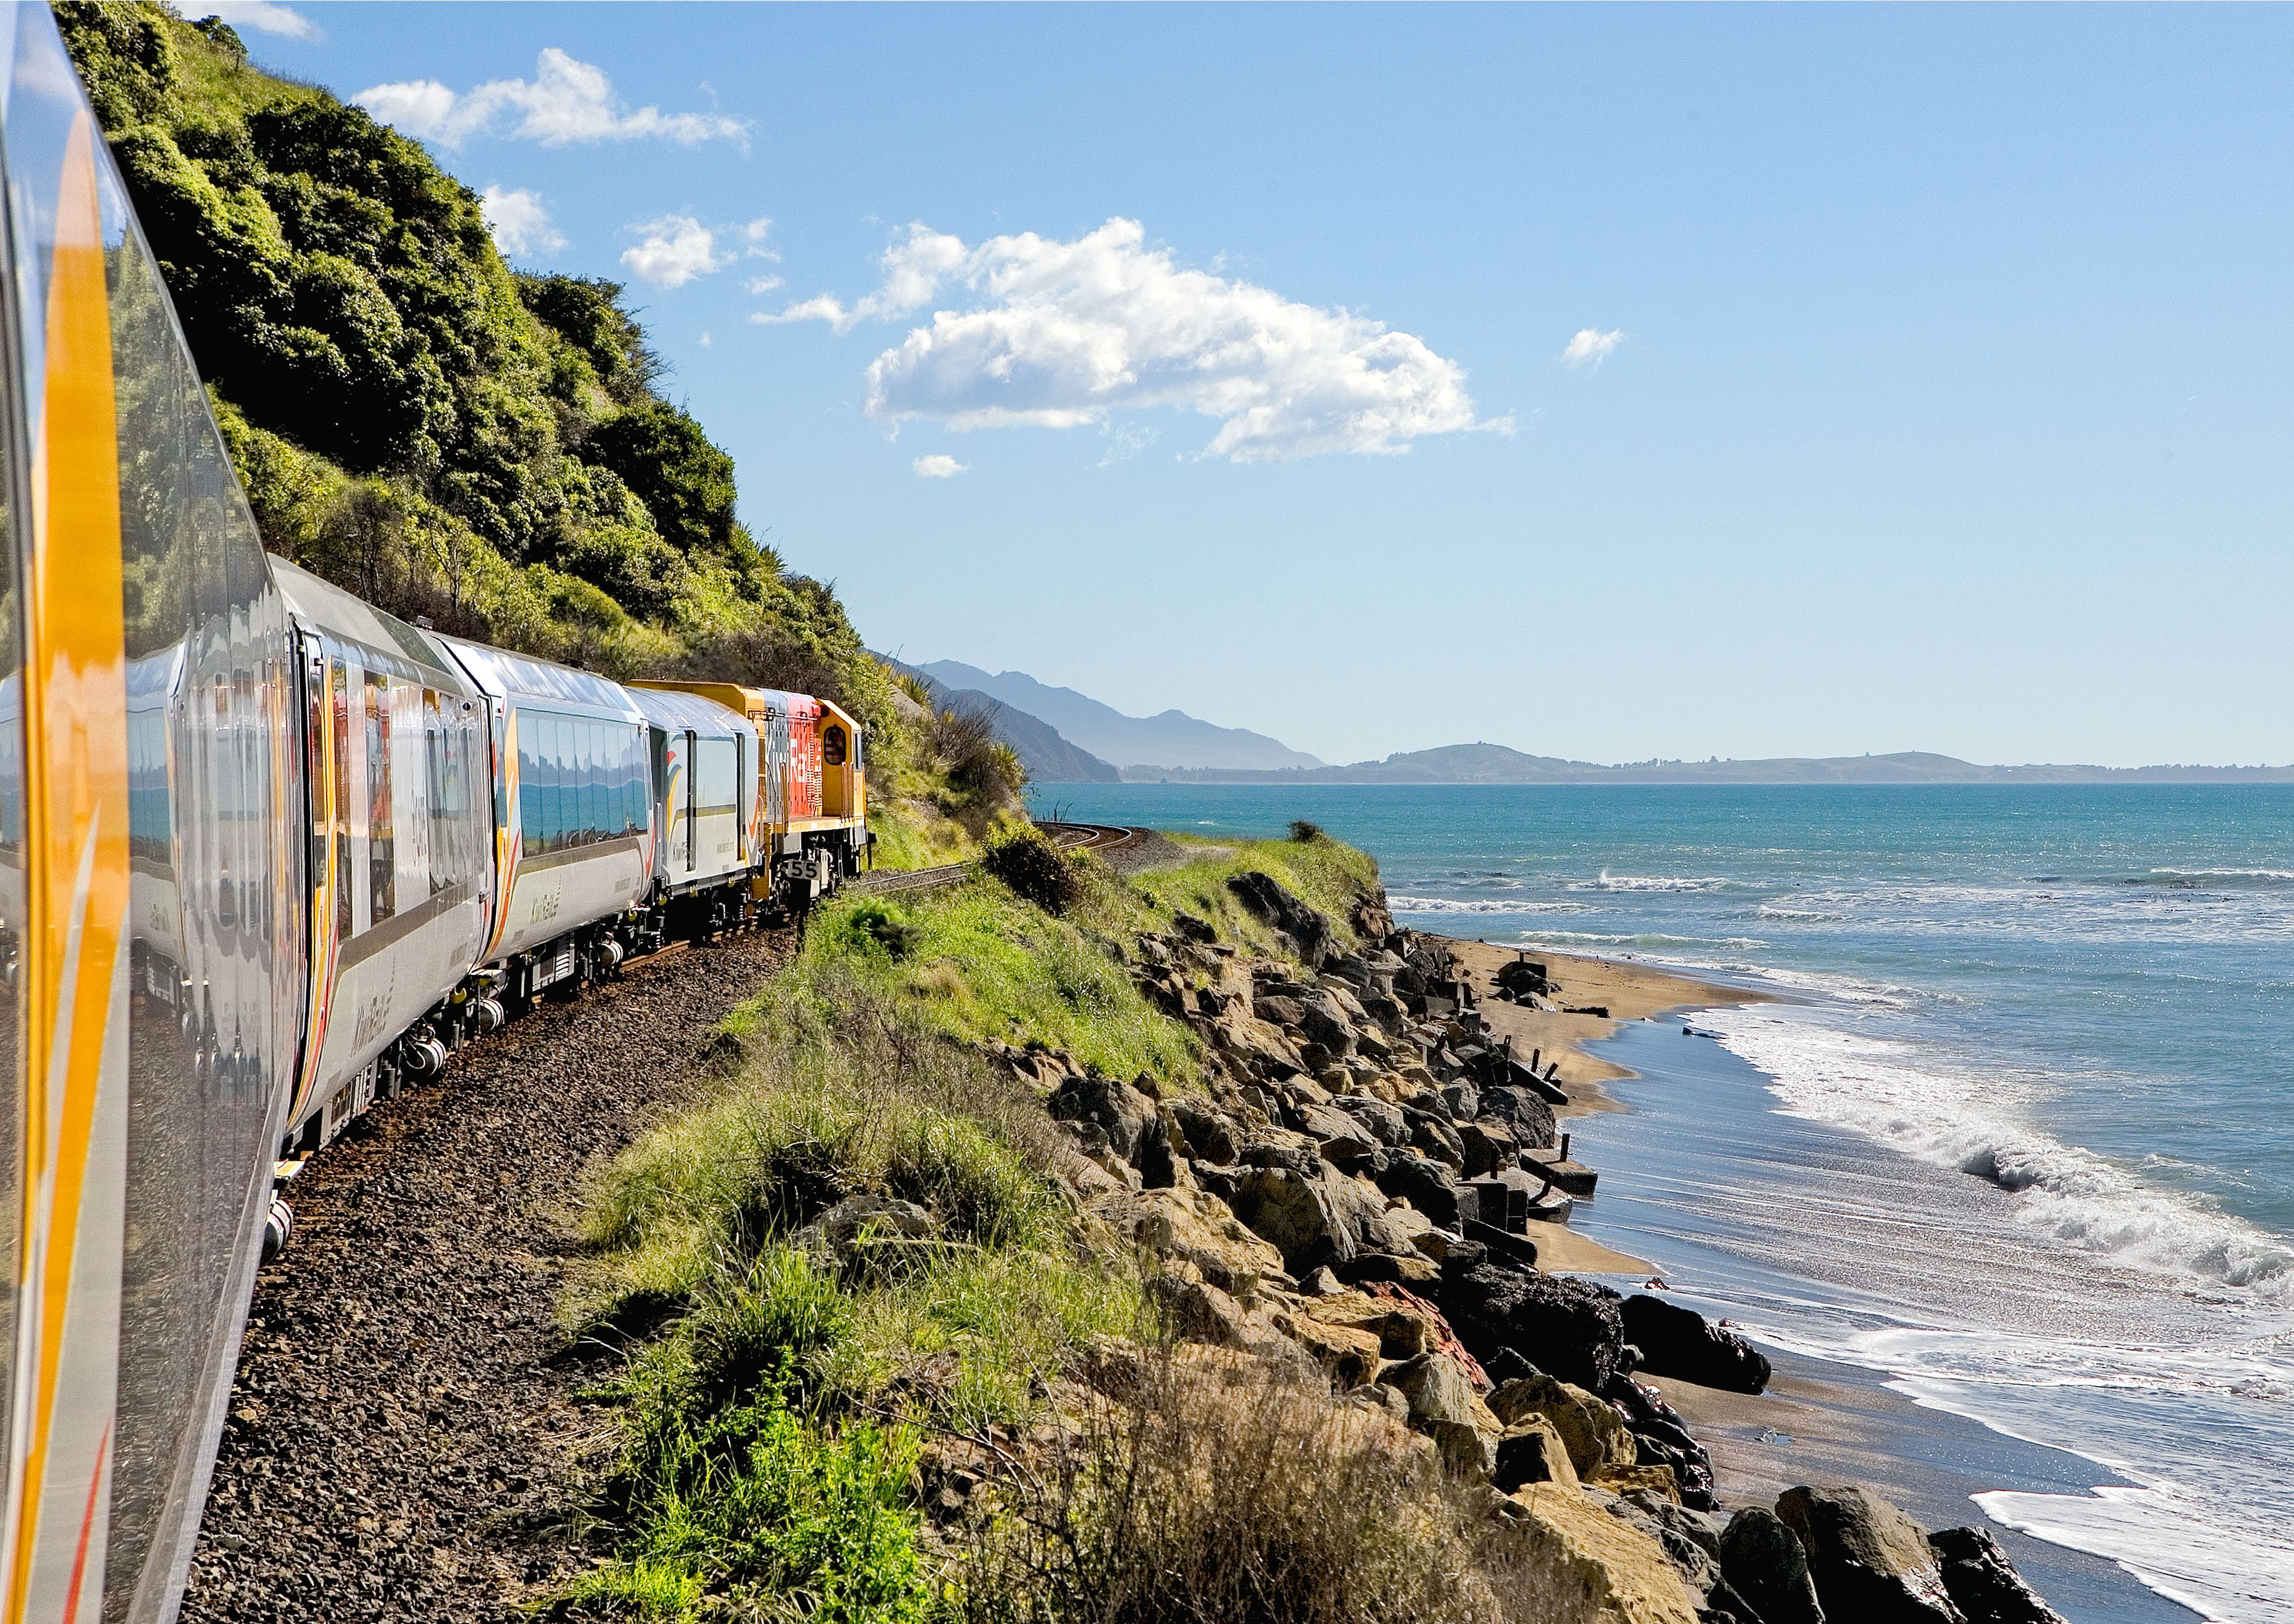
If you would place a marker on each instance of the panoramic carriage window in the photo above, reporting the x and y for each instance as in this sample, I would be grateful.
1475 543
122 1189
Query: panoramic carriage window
529 780
593 781
580 782
338 689
444 742
382 848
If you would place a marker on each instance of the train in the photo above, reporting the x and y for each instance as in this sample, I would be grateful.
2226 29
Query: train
267 854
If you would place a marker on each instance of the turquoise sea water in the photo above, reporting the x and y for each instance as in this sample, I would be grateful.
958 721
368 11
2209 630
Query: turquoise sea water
2022 1133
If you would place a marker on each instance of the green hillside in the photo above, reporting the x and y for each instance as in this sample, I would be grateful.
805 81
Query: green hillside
415 420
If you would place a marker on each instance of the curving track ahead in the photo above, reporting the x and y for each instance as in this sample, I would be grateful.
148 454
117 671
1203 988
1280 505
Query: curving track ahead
1101 837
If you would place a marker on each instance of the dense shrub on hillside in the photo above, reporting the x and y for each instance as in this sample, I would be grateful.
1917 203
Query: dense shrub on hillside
1034 868
411 417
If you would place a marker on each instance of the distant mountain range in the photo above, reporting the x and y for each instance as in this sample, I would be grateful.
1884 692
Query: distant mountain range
1048 758
1173 739
1066 737
1495 764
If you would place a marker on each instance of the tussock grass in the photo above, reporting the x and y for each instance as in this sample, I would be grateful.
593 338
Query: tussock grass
1231 1491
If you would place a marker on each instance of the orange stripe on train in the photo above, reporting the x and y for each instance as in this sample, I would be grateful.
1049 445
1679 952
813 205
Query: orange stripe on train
76 814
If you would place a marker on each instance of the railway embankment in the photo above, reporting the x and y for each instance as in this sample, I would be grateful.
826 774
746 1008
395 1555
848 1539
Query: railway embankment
1064 1244
406 1427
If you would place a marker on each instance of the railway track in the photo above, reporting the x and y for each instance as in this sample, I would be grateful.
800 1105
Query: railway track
1069 837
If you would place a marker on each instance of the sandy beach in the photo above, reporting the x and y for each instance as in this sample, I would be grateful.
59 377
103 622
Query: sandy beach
1819 1421
1629 991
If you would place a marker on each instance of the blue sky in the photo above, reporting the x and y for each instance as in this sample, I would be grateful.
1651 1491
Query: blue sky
1933 390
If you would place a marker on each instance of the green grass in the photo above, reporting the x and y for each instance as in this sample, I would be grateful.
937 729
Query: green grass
776 1396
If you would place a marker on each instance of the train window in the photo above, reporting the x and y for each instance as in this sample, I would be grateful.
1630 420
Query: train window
553 782
442 751
529 781
339 697
382 847
633 796
832 745
593 781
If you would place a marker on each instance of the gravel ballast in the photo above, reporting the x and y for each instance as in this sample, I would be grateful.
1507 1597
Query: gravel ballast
406 1419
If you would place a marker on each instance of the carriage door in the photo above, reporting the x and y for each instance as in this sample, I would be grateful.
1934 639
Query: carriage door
692 802
741 799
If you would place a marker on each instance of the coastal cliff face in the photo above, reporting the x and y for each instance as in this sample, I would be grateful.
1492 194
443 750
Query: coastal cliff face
1165 1252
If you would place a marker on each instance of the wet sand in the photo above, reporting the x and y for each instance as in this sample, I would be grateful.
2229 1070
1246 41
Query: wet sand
1820 1422
1629 991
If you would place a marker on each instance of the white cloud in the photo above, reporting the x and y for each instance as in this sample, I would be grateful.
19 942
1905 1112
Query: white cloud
753 234
1065 333
565 101
520 225
264 16
761 284
820 309
1590 346
939 467
677 249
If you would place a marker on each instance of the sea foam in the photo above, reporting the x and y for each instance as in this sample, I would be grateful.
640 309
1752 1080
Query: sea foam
1906 1096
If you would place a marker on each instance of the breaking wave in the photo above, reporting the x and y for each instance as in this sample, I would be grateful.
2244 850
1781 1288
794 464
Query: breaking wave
1650 882
1892 1091
1452 904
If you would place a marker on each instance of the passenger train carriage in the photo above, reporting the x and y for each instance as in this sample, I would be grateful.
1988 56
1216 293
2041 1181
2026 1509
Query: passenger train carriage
266 853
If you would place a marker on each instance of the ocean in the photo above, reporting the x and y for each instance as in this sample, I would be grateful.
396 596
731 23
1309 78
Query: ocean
2018 1133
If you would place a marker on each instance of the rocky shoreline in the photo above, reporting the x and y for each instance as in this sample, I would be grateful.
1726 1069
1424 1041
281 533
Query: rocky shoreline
1361 1196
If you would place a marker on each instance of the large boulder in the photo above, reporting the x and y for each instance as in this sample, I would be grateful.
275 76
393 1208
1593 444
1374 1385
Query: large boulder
1872 1564
1691 1541
1191 1227
1489 1147
1209 1136
1264 896
1531 1451
1278 1009
1125 1115
1435 1386
1315 1219
1768 1566
1384 1122
1592 1431
1342 1136
1199 1311
1983 1583
1325 1021
1567 1326
1422 1182
1400 1329
1597 1570
1680 1343
1255 1045
1526 1113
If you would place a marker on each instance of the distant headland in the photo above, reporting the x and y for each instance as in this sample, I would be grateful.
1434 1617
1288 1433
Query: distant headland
1496 764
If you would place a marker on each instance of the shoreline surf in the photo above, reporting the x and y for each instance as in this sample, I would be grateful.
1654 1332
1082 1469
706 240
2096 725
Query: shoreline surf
1830 1416
2078 993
